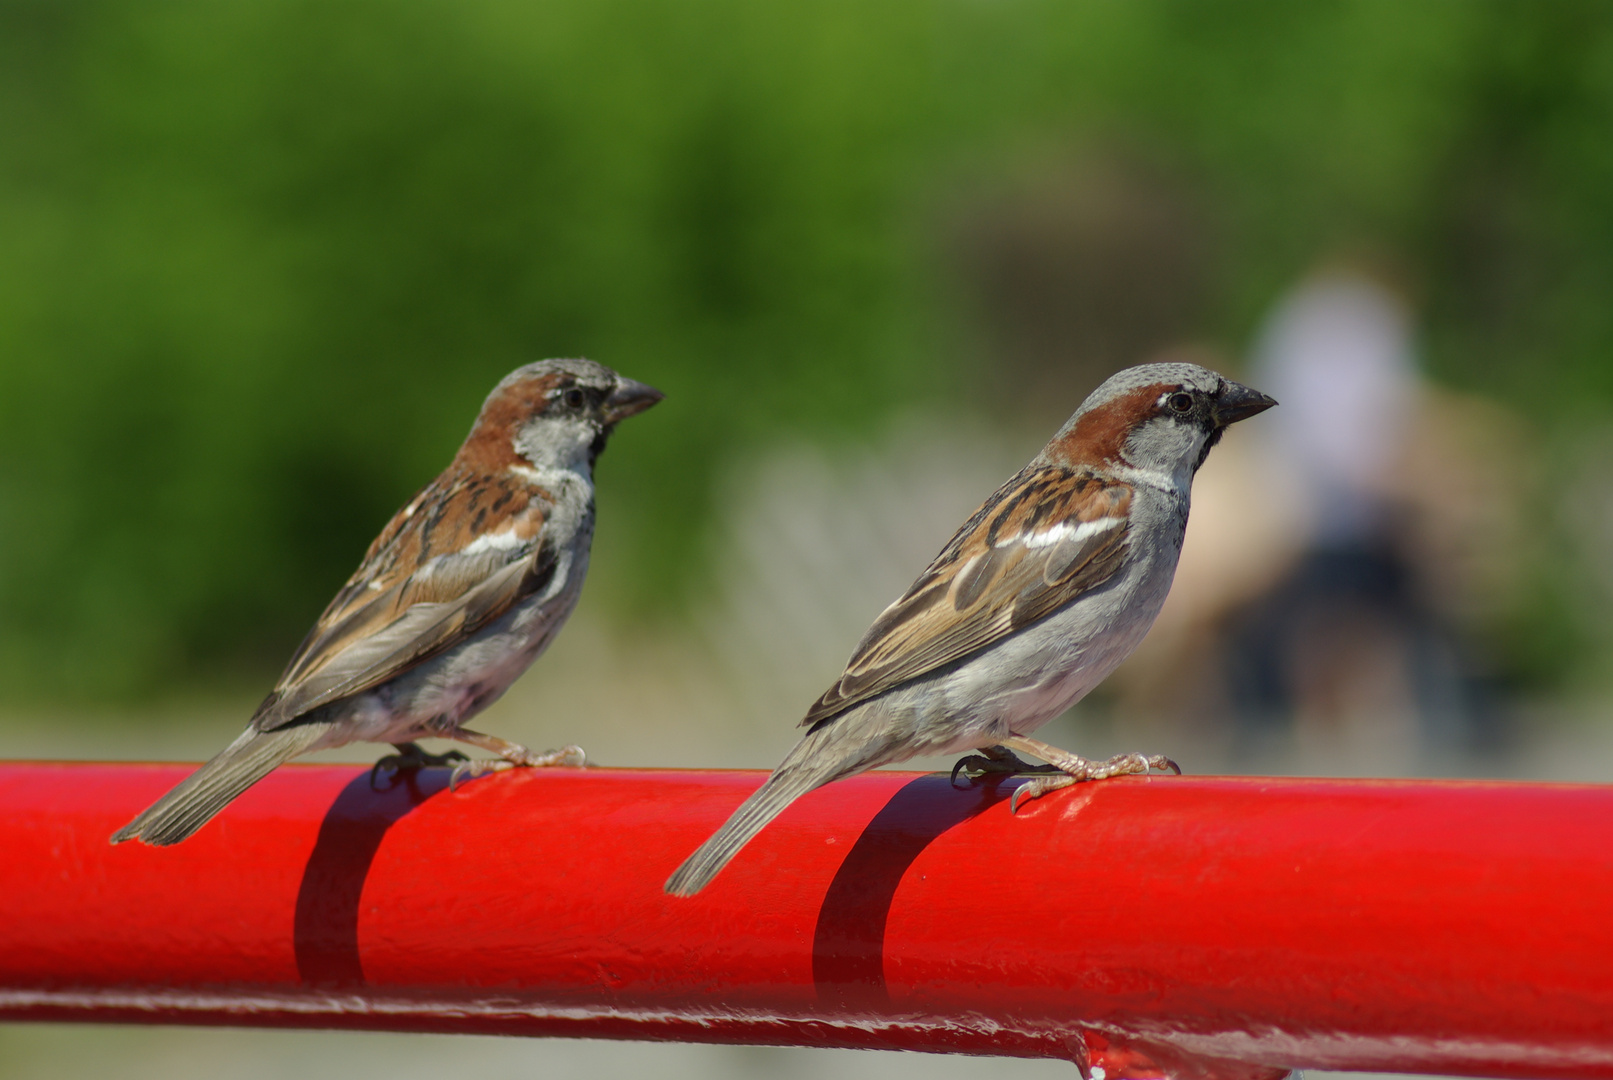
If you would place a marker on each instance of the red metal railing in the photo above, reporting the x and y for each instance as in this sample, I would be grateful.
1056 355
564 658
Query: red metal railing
1209 927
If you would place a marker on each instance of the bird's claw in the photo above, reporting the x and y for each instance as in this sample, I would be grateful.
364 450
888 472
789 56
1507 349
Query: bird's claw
974 766
1119 765
471 768
411 758
993 760
571 755
517 757
1035 789
1132 765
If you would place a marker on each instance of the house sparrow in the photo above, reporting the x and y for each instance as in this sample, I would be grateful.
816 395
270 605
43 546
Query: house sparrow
464 588
1041 594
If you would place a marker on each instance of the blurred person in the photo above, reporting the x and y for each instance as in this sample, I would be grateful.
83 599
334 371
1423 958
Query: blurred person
1328 606
1343 648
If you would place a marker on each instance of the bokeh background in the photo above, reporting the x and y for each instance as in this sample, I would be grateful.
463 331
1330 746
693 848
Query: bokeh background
260 262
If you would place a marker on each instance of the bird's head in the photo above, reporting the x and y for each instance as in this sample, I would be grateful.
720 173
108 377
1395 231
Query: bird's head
1157 419
559 413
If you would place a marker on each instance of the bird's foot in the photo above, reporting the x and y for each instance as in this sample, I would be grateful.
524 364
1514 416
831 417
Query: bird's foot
512 756
1070 769
412 758
994 761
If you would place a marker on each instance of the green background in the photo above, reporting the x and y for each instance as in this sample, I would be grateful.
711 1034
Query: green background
259 262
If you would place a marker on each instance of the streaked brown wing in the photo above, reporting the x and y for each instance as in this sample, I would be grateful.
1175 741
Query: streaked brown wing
1042 540
402 608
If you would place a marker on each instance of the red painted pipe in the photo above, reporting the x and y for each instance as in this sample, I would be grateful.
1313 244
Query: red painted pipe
1210 927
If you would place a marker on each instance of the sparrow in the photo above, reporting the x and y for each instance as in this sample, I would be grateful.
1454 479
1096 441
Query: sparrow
463 589
1032 603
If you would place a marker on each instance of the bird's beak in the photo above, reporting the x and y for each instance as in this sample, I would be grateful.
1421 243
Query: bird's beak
1238 402
629 399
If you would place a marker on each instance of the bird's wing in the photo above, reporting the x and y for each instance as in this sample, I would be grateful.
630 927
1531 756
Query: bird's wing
406 604
1045 538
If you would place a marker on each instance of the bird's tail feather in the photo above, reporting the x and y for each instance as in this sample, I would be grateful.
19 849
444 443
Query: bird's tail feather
810 765
193 801
765 803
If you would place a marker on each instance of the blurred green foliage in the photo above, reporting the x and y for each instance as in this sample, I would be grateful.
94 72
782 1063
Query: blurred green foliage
262 260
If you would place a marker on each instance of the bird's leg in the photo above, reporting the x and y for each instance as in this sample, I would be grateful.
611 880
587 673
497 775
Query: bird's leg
1073 768
411 757
997 760
510 755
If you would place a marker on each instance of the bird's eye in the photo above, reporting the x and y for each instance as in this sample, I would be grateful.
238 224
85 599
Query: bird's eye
573 398
1180 402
